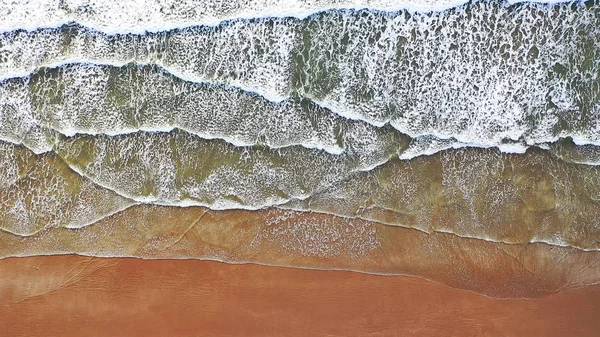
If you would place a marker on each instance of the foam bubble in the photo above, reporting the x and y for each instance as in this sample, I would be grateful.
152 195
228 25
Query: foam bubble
139 16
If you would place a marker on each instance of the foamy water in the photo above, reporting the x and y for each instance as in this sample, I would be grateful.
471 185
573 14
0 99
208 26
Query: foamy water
139 16
452 76
397 112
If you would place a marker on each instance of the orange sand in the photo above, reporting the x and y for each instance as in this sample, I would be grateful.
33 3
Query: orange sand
78 296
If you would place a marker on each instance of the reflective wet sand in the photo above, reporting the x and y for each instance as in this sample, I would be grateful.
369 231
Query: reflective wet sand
313 240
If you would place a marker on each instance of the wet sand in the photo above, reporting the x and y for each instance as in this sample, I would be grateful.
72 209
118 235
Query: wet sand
70 295
312 240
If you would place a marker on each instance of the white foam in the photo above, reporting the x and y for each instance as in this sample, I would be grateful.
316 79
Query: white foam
435 94
428 145
513 148
139 16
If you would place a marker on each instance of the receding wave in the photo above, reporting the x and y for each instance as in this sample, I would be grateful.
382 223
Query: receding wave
178 168
318 241
38 192
532 197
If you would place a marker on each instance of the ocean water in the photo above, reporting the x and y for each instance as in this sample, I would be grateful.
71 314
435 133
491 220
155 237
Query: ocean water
480 118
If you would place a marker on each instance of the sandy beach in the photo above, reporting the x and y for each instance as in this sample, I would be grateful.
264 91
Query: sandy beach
68 295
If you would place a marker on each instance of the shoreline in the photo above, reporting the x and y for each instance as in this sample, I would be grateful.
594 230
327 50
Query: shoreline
320 241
